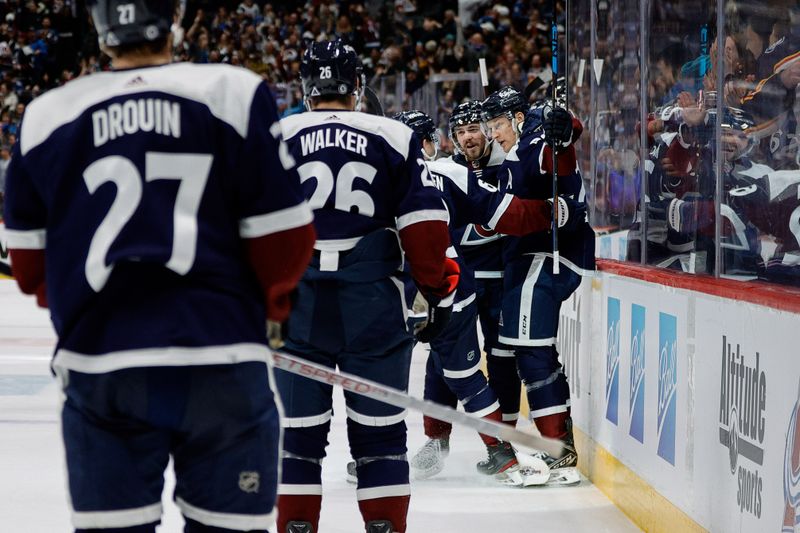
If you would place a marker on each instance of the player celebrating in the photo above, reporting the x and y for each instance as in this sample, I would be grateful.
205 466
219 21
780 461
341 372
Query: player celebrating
481 250
146 208
455 355
532 293
367 183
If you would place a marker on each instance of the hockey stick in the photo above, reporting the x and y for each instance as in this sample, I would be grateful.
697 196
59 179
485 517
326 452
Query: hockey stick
553 88
398 398
484 76
374 106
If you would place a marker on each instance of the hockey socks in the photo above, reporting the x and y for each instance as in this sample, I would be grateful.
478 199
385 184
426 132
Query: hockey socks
391 508
553 426
436 429
300 508
495 416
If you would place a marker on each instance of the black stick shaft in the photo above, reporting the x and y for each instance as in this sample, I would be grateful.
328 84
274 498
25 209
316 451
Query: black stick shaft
554 147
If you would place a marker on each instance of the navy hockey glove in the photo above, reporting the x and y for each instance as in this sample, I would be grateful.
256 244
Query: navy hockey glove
438 317
558 127
571 213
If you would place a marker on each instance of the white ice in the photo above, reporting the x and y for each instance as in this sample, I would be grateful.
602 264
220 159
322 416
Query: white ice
33 496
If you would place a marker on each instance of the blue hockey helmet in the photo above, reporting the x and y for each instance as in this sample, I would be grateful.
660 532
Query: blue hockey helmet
423 127
130 22
506 102
330 68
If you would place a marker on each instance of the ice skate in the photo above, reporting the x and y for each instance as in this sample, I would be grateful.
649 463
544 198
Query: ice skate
352 473
562 470
299 527
379 526
429 460
502 464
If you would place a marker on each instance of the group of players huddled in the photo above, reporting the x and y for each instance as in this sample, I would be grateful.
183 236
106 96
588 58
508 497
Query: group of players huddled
202 228
496 196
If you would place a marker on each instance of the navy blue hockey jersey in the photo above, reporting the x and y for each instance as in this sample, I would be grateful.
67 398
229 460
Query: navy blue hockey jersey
140 185
365 179
526 174
480 246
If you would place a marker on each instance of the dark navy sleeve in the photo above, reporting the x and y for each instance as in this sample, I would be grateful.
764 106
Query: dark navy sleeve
270 199
25 212
420 200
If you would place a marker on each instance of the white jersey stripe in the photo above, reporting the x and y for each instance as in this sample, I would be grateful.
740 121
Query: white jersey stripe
167 356
227 91
281 220
34 239
116 519
423 215
235 521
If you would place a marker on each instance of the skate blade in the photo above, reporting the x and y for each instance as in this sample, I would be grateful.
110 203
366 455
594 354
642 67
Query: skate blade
534 476
511 477
425 473
564 477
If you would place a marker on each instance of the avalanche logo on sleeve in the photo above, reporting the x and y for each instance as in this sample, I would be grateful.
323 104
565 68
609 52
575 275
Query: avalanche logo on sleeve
612 361
667 385
637 372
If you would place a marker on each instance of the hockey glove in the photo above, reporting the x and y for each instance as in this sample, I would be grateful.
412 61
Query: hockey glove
439 307
681 216
558 127
571 213
438 317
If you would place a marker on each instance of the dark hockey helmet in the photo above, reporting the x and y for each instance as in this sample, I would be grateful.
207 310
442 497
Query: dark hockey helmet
506 102
130 22
421 123
423 127
330 68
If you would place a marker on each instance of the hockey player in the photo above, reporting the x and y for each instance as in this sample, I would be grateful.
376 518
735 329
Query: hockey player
532 293
154 211
367 182
481 250
455 353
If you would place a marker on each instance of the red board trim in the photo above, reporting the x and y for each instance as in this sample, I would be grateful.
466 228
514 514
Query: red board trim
770 295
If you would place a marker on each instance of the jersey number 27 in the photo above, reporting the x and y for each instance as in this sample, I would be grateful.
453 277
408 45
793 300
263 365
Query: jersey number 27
191 169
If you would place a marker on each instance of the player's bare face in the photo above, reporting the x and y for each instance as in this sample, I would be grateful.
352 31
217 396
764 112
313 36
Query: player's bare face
502 131
734 143
471 140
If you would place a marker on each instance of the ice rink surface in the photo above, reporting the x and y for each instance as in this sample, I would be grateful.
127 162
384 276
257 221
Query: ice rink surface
33 496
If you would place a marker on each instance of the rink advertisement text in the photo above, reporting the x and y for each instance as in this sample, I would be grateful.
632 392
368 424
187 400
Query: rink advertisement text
742 421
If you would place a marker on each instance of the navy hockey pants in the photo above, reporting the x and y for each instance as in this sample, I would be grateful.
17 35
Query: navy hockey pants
361 329
532 298
218 422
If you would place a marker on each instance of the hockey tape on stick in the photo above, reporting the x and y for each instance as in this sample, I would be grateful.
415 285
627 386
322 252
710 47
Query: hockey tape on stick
484 75
398 398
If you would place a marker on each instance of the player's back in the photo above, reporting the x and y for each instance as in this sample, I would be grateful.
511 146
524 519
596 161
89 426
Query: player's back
361 174
145 177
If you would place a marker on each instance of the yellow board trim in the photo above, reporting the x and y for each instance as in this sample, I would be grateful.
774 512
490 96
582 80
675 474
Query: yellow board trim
3 276
631 494
640 502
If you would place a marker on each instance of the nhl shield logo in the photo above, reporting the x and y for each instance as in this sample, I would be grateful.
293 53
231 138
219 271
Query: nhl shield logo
249 482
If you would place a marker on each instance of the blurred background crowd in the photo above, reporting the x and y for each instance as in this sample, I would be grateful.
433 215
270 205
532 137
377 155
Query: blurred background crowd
669 184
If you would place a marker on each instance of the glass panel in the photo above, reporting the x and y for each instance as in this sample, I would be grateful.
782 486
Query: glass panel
615 71
760 213
680 178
